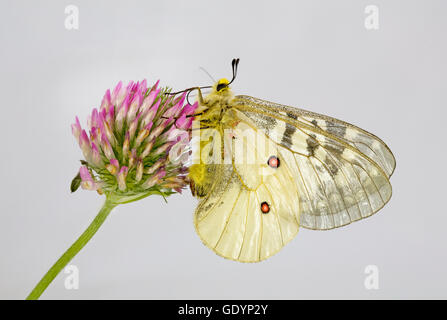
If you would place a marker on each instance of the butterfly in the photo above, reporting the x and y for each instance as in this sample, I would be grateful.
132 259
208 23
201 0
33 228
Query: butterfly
262 170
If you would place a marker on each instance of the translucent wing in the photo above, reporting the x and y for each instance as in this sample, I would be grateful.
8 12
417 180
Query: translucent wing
340 171
252 210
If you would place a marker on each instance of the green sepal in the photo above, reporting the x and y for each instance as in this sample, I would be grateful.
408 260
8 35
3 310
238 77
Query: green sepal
75 183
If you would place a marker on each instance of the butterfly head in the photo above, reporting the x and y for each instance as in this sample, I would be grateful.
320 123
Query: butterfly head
222 86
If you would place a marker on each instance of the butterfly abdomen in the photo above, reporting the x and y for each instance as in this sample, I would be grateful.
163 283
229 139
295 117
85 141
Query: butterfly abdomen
199 180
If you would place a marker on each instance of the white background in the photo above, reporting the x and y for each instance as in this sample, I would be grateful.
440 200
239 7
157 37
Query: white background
312 54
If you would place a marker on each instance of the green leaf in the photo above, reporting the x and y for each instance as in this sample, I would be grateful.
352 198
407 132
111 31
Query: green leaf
75 183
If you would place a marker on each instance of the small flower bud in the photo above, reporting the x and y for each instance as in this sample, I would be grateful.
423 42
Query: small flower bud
139 173
122 178
155 179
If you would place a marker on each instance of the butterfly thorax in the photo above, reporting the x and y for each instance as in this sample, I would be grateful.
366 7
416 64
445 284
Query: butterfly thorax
215 106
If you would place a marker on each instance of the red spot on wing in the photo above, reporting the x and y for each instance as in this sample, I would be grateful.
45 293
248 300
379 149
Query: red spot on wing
273 162
265 208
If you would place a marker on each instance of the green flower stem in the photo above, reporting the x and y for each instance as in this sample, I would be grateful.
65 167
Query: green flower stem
73 250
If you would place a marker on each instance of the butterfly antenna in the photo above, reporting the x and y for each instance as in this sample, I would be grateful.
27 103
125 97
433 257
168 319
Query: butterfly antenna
211 77
234 65
187 97
177 92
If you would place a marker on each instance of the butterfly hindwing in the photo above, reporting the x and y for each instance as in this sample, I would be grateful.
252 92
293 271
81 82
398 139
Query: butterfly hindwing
252 210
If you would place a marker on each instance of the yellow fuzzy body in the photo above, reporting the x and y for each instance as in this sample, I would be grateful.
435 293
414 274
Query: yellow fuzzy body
214 113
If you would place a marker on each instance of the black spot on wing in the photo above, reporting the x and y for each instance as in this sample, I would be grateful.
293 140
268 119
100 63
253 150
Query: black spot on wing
336 149
287 135
335 129
286 139
330 164
291 115
312 144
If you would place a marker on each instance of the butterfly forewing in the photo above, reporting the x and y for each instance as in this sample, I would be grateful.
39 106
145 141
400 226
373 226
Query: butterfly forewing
365 142
338 183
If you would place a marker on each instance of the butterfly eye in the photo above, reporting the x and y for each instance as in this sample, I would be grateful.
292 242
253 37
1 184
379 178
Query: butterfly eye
273 162
221 86
265 208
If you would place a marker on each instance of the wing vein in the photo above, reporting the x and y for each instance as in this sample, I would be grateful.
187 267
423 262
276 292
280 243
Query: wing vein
220 198
296 189
245 229
336 185
276 215
324 191
307 191
228 220
261 231
347 182
361 184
